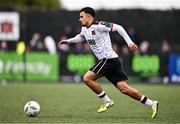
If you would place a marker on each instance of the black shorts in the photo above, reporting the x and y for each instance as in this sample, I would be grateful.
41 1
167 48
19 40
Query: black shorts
112 69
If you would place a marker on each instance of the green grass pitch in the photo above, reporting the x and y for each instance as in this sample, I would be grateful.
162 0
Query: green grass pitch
76 103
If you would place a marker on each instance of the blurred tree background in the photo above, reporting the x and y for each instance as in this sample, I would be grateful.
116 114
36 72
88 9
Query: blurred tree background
30 4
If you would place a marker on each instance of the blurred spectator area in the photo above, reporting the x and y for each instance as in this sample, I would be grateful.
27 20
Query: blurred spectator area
141 25
150 25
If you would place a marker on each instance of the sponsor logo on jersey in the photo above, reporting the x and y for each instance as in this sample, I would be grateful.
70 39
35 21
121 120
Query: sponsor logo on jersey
91 41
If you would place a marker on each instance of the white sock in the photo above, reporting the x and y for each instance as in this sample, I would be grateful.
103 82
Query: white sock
149 102
146 101
104 97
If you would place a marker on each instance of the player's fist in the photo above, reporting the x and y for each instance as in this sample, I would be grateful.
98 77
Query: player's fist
62 42
133 47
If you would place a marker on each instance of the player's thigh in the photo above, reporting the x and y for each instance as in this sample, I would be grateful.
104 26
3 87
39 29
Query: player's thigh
90 75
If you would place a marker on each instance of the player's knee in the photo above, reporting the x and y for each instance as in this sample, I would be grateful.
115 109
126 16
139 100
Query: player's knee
124 91
123 88
86 79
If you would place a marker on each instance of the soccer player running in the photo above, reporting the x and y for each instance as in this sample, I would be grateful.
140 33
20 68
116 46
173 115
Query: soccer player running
108 65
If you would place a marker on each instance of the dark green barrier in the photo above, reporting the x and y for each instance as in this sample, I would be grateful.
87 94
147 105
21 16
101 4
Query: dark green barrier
146 65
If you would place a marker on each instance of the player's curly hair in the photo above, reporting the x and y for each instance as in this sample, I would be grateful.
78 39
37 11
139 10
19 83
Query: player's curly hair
88 10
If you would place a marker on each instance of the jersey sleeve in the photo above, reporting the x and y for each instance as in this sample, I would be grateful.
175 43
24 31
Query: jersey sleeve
78 38
106 26
122 32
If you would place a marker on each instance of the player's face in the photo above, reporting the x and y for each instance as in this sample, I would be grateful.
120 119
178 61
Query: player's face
84 19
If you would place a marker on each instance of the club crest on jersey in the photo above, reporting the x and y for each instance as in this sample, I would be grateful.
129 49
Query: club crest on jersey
93 32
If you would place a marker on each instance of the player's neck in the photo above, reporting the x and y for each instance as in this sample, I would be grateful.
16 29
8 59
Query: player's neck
90 23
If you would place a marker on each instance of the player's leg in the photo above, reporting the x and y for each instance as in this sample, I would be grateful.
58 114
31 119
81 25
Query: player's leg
135 94
90 80
118 77
128 90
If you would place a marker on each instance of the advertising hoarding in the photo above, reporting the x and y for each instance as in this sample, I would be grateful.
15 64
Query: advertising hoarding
36 66
9 26
174 68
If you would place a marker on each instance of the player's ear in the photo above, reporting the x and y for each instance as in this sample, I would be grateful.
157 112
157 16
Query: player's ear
89 16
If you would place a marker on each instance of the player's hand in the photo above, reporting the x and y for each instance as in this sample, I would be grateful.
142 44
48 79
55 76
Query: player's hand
62 42
133 47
